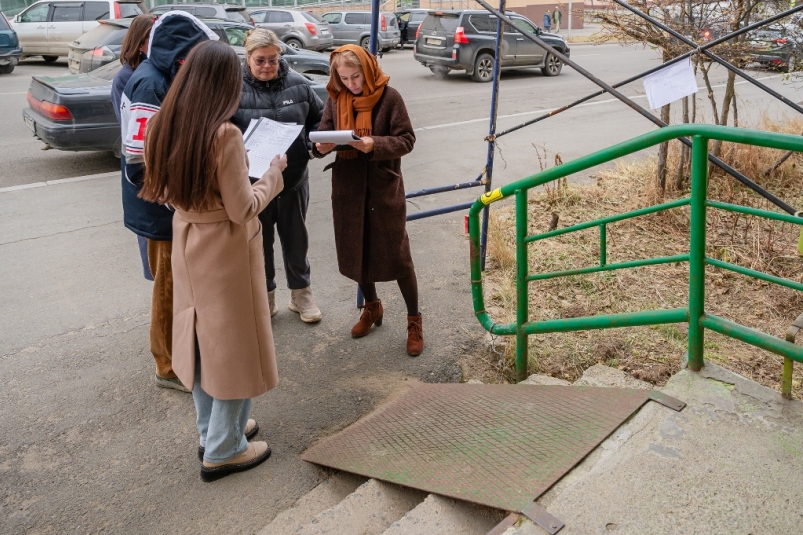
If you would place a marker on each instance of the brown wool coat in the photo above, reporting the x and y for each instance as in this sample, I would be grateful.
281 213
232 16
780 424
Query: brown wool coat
219 288
368 204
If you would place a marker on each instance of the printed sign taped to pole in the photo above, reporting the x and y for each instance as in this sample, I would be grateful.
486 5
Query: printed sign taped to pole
670 84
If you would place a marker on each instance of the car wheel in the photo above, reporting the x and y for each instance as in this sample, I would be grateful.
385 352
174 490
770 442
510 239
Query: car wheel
366 43
439 71
295 44
6 69
50 59
483 68
552 66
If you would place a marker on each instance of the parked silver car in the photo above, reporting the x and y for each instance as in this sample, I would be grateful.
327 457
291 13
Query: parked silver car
354 28
48 27
299 29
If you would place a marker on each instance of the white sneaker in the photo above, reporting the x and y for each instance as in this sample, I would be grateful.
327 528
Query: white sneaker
301 302
272 303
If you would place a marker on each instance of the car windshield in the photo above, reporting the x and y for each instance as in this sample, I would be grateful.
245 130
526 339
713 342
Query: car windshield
439 23
311 17
103 34
107 72
129 10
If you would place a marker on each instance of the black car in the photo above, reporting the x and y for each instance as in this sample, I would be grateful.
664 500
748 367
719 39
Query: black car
466 39
408 21
102 45
10 51
75 113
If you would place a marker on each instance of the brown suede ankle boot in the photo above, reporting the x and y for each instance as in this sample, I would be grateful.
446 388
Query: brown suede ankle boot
415 336
371 315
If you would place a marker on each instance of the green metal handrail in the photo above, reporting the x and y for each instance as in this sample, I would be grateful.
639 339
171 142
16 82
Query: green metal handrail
694 314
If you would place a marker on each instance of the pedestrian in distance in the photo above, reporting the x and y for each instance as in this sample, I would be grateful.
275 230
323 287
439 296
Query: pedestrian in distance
173 36
368 203
133 52
271 89
222 343
547 21
557 18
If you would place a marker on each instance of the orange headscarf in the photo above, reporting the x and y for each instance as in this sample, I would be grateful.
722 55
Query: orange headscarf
347 102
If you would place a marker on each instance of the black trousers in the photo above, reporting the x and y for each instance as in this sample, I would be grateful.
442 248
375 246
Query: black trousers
288 214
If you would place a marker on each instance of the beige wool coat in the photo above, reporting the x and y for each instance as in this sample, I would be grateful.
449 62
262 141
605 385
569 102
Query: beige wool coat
219 290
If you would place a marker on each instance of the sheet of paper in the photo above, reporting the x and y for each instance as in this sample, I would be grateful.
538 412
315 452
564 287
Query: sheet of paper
266 140
670 84
338 137
251 126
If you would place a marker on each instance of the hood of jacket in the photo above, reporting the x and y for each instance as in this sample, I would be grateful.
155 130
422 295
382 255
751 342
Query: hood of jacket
173 35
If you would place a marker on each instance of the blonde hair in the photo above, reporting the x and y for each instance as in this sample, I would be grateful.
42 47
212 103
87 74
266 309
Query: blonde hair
260 38
347 58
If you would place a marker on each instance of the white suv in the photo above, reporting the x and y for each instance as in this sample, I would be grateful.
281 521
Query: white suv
48 27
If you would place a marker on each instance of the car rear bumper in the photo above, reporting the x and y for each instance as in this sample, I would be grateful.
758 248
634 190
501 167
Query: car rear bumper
431 61
10 55
320 42
72 137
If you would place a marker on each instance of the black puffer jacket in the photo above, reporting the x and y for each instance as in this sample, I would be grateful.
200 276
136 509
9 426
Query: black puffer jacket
288 98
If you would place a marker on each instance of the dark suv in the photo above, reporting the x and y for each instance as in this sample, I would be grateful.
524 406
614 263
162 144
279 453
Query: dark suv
10 51
465 40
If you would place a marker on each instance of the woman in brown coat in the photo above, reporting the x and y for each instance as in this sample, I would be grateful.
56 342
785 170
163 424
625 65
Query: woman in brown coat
222 339
368 202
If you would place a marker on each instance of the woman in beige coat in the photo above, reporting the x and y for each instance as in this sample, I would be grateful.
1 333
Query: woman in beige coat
222 339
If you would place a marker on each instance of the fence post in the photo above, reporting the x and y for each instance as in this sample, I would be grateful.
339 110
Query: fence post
522 286
699 191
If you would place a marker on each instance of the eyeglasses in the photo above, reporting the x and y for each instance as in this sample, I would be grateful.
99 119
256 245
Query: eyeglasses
260 62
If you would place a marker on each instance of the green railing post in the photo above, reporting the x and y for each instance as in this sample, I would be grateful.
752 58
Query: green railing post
603 245
699 191
522 285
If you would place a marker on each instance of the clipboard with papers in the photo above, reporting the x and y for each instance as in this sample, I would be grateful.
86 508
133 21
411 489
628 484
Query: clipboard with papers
265 139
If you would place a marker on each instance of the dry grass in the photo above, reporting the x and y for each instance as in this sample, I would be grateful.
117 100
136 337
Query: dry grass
649 353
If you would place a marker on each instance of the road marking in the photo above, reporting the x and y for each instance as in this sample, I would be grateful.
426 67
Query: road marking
548 110
110 174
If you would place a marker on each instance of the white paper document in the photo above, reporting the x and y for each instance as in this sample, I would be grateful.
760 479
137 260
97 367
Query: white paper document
670 84
265 140
338 137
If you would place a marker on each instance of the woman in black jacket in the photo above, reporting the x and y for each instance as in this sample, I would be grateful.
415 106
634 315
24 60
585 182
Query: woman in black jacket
272 90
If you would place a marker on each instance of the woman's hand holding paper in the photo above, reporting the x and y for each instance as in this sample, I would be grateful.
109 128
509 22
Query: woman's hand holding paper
279 162
325 148
365 144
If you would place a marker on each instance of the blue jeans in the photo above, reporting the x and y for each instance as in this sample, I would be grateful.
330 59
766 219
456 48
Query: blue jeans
221 423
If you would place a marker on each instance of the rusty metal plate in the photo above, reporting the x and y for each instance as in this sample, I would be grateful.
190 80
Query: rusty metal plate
495 445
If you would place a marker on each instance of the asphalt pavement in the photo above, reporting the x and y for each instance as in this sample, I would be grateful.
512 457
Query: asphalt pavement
88 443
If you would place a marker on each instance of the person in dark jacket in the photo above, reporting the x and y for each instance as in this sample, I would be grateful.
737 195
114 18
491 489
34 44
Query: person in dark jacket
368 203
135 45
271 89
173 36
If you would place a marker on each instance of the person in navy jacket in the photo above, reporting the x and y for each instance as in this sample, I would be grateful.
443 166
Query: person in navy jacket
173 36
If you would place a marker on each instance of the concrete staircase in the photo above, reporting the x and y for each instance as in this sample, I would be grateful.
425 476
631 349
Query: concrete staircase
346 504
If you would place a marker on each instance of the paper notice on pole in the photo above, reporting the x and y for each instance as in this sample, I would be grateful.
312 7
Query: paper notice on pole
670 84
338 137
266 140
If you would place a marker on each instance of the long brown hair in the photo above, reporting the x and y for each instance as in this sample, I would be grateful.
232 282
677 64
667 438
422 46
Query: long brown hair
180 148
137 34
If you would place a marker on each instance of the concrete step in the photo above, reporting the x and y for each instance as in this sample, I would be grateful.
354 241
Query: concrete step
369 510
437 515
326 495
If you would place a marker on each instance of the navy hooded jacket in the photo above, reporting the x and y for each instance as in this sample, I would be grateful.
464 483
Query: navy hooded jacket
173 36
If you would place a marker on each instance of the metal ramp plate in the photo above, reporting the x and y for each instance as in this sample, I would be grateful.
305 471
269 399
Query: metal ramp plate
495 445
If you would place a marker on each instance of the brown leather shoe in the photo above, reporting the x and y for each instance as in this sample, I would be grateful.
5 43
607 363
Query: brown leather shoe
371 315
415 336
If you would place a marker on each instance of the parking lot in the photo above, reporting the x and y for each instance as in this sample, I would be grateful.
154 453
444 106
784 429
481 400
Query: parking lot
90 444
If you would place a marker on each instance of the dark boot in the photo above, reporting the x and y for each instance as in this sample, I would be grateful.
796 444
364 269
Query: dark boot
371 315
415 336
